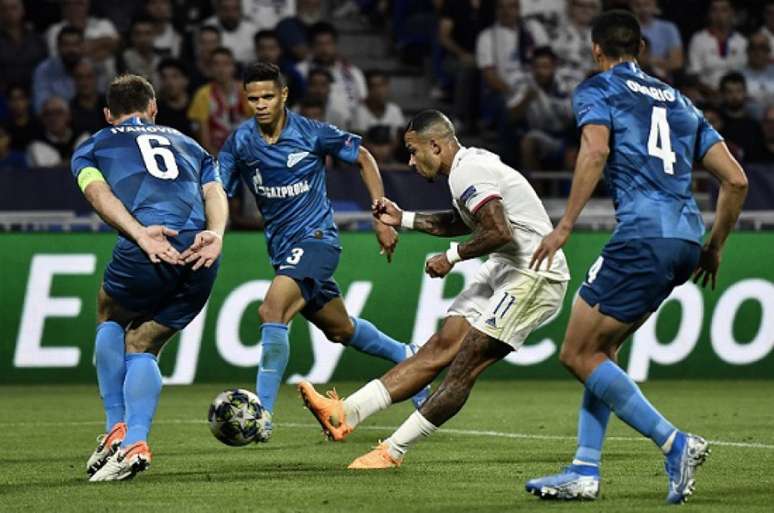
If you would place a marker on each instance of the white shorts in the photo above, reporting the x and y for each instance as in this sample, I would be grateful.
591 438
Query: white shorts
507 303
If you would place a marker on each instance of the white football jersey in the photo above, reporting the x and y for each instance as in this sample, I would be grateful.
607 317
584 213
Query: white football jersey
478 176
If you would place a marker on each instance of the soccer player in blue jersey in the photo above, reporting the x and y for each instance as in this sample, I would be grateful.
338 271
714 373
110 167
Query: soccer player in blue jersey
163 194
645 136
280 156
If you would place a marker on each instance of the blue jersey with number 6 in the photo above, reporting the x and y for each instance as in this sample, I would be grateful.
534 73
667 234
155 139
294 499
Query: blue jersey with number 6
656 134
155 171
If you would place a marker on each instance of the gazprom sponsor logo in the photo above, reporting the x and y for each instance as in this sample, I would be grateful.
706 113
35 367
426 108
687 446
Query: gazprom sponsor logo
284 191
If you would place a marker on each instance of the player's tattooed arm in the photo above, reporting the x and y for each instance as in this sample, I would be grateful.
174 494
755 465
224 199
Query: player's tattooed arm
441 224
492 231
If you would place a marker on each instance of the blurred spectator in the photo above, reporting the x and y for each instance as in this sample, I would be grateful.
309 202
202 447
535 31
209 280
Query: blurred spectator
318 88
717 49
572 42
100 38
542 103
380 141
21 124
140 58
21 49
56 145
188 15
172 96
268 49
293 31
461 21
348 83
759 72
768 18
312 108
666 46
10 159
220 106
167 41
236 32
207 39
503 53
265 14
412 28
54 76
738 125
86 107
504 50
767 155
689 85
550 14
120 14
376 110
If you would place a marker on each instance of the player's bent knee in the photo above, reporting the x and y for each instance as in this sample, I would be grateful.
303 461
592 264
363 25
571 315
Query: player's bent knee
341 334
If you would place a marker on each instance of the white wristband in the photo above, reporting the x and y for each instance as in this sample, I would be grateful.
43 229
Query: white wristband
452 255
407 220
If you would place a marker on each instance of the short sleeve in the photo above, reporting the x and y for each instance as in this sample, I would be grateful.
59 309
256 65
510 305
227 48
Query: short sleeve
199 109
484 54
210 171
83 157
673 36
227 166
706 135
473 186
590 105
338 143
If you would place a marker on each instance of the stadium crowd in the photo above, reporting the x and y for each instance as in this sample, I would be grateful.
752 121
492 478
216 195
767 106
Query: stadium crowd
505 68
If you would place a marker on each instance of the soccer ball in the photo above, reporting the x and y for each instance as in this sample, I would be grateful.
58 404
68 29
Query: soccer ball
236 417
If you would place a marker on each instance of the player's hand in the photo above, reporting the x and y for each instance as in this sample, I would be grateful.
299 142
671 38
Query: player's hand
387 211
204 251
709 261
388 239
548 247
153 240
438 266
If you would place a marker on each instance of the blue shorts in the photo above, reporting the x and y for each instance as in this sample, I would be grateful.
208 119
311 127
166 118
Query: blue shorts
311 263
632 277
171 295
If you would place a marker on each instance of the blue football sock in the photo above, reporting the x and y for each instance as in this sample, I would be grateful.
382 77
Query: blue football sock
611 384
592 424
142 388
274 359
368 339
111 370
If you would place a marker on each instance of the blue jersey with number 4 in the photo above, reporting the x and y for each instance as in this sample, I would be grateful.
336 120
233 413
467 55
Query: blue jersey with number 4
288 178
155 171
655 136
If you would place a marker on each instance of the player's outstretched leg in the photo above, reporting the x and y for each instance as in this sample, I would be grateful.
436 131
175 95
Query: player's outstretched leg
478 352
339 417
275 354
367 338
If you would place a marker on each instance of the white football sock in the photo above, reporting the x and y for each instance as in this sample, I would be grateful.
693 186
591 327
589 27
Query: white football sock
365 402
415 427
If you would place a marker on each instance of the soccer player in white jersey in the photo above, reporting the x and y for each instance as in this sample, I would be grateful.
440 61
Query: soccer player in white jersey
492 317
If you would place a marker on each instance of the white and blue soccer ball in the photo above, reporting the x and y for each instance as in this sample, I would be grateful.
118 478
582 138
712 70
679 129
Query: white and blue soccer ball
236 417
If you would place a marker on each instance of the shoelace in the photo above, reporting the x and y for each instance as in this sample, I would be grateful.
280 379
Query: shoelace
333 395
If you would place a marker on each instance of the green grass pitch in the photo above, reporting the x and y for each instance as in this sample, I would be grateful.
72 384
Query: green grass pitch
509 431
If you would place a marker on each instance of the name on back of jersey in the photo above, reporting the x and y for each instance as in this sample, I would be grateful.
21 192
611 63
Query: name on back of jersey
661 95
121 129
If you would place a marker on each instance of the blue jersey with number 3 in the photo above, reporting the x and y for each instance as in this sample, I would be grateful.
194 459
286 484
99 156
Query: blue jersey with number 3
155 171
288 177
655 136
